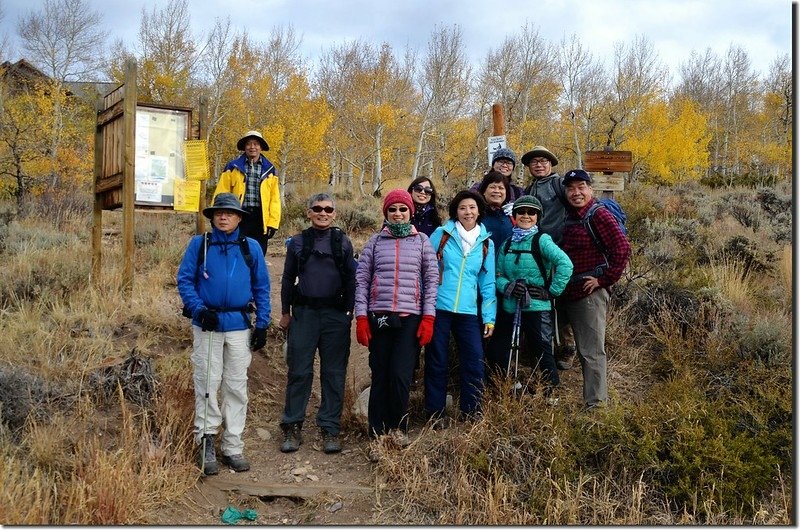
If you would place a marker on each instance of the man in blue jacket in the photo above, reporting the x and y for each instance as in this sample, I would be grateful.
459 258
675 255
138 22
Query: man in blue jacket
222 275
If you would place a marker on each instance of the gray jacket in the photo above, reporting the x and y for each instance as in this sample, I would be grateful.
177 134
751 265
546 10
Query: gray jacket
551 193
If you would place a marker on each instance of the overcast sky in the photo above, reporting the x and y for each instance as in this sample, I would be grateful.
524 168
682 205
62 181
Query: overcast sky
763 28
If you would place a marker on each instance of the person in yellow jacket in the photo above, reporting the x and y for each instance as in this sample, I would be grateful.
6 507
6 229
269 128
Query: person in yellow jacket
251 177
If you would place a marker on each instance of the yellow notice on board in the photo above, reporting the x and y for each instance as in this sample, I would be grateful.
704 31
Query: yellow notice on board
187 195
195 153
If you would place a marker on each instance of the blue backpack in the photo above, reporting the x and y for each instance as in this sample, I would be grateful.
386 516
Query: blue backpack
616 212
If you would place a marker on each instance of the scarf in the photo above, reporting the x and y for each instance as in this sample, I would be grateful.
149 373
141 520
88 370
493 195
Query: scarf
518 234
399 229
468 237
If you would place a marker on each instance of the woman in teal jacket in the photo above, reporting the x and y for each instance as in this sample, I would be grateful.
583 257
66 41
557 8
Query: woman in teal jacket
466 264
520 281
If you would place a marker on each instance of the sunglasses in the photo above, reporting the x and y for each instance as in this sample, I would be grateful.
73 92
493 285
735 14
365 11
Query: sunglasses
526 211
393 209
319 209
419 188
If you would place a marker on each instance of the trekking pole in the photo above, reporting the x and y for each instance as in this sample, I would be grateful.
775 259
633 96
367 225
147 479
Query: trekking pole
517 324
205 414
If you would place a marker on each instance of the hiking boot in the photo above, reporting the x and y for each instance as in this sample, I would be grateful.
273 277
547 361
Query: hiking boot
566 357
208 464
238 463
292 437
330 443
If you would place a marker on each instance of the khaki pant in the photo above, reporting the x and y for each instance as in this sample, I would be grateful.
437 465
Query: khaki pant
588 319
230 358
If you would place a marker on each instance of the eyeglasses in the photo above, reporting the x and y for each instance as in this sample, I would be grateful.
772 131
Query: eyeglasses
419 188
395 209
538 162
319 209
526 211
504 162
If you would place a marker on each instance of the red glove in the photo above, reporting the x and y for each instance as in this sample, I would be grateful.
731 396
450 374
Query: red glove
425 330
363 334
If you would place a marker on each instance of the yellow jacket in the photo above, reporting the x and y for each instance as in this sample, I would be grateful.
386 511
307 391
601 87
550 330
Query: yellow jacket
232 180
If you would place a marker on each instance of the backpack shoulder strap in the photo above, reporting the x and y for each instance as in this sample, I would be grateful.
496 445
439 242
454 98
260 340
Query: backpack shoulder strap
245 248
589 226
442 243
305 251
485 253
337 235
536 251
201 255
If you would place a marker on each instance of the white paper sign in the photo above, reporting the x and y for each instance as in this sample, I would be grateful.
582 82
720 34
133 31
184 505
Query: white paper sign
493 144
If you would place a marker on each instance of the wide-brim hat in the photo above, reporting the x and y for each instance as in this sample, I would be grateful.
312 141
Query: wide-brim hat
539 150
225 201
252 134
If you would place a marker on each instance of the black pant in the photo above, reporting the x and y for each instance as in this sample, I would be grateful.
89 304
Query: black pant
327 330
392 353
538 329
253 226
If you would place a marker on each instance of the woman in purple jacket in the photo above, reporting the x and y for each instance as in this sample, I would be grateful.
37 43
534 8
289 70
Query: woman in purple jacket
396 285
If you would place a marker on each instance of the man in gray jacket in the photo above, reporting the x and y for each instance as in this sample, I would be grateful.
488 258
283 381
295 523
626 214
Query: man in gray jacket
317 312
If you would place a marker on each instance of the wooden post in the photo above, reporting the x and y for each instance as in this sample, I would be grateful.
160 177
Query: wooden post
128 174
498 125
97 214
200 224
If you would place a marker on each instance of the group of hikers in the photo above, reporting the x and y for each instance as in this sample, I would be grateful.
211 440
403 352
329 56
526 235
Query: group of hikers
507 262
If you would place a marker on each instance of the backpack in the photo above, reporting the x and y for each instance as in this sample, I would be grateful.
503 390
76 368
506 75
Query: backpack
535 250
244 248
337 235
617 213
440 252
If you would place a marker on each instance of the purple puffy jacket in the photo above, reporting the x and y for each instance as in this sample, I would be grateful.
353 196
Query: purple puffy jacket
397 274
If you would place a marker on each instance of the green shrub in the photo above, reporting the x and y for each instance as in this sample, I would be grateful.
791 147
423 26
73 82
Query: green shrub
767 340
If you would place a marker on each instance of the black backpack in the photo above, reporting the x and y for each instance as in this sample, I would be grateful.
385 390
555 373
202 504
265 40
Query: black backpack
535 250
337 236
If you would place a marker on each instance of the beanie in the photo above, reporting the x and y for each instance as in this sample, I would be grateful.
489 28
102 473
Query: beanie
528 201
504 152
398 195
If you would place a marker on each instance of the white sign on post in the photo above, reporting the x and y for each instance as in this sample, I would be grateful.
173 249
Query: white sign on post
493 144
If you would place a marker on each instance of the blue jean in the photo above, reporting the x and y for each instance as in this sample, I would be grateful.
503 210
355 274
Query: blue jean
467 332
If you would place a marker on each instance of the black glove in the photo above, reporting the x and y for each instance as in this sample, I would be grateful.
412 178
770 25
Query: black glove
271 232
519 289
539 293
209 320
258 338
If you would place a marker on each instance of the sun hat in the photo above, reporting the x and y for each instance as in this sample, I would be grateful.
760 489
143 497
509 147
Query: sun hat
539 150
252 134
225 201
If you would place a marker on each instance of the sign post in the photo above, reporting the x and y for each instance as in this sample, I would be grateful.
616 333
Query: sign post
608 162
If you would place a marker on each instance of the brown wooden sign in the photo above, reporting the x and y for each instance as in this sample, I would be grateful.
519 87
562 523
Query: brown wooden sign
607 161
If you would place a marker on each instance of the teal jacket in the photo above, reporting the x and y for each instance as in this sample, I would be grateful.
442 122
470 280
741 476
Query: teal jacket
509 270
462 276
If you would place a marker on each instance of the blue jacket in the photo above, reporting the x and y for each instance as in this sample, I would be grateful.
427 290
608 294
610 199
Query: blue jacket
463 276
499 225
230 283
